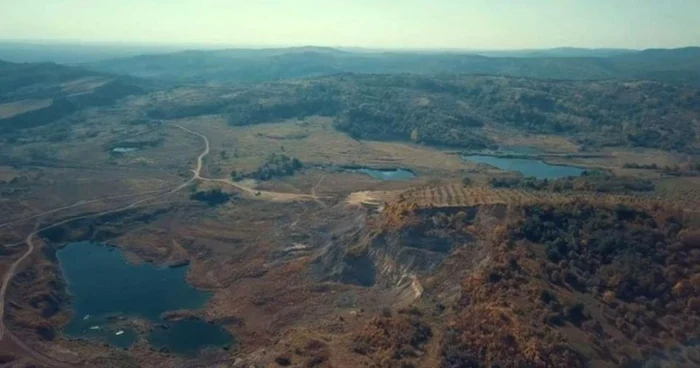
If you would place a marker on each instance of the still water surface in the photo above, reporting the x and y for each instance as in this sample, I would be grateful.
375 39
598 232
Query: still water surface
387 174
528 167
106 288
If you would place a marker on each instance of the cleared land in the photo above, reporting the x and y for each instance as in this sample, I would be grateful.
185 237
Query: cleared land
11 109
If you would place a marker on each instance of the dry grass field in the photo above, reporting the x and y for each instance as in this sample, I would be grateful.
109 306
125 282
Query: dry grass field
10 109
314 141
7 173
546 143
84 85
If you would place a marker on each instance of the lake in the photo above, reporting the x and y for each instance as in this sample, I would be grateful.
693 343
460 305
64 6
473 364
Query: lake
106 290
528 167
386 174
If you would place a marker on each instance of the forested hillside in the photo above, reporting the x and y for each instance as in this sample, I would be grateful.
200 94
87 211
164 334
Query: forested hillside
33 94
613 287
574 283
456 110
19 80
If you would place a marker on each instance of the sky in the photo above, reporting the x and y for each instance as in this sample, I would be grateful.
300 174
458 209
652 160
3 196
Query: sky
399 24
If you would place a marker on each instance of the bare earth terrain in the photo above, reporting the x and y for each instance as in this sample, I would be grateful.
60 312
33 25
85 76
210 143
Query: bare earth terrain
312 264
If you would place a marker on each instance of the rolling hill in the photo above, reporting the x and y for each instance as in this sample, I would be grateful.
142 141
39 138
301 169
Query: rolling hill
256 65
460 110
33 94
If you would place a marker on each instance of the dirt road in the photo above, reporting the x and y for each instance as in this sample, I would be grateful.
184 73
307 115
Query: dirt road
74 205
313 192
260 194
200 159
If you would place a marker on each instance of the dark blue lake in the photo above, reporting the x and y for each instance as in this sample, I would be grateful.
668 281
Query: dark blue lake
106 290
527 167
387 174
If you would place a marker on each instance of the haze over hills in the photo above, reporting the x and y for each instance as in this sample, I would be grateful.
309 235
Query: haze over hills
196 63
68 53
256 65
75 53
279 198
559 52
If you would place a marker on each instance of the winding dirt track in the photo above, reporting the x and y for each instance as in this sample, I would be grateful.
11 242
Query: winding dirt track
29 241
74 205
313 192
261 194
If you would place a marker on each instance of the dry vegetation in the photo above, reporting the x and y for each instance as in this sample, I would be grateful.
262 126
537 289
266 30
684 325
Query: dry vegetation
555 283
314 141
325 268
249 252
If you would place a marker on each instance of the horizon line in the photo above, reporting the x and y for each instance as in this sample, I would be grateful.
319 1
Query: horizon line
193 46
212 45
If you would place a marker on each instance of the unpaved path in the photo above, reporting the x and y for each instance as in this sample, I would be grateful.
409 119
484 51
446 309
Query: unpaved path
260 194
74 205
265 194
313 192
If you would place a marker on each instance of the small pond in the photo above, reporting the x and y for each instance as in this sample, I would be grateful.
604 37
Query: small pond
124 149
528 167
106 290
386 174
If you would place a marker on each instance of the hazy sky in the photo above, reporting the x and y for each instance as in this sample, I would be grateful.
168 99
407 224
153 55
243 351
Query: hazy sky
464 24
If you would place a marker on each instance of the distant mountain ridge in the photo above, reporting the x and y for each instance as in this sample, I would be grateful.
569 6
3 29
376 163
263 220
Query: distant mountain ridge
259 65
62 53
558 52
